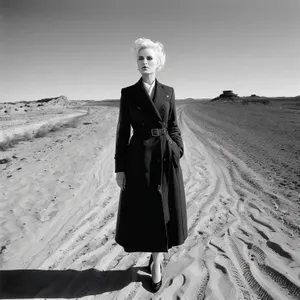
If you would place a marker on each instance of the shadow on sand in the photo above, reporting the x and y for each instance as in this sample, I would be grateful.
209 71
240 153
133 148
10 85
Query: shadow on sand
67 283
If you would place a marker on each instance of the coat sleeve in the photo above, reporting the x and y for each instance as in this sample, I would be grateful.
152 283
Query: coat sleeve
173 128
122 135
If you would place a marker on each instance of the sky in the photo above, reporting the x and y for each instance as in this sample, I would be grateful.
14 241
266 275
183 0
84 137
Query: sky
82 48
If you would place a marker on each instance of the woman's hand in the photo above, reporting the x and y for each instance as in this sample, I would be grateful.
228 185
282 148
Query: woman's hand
121 180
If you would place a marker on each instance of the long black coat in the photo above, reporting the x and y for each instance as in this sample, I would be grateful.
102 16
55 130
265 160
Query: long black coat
152 207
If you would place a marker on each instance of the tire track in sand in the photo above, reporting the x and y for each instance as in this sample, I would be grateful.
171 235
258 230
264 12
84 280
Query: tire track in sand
229 207
240 204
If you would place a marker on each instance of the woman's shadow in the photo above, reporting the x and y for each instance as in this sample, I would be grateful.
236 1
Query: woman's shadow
67 283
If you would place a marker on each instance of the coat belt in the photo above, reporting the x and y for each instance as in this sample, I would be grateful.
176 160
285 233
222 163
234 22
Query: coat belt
146 132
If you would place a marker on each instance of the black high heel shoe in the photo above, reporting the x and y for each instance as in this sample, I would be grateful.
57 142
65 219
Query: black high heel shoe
156 286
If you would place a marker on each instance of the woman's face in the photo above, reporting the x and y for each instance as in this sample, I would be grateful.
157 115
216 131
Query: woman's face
147 61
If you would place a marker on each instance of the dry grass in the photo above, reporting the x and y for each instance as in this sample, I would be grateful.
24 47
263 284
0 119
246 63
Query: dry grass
43 130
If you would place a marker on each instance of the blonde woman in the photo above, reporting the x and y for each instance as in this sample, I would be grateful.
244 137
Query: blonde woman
152 207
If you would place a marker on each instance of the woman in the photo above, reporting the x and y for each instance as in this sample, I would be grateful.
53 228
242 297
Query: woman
152 208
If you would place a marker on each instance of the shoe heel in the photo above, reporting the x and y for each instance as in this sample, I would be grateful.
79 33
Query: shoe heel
150 262
157 286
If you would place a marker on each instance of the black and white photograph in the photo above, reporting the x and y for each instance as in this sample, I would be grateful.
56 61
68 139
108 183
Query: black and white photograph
150 149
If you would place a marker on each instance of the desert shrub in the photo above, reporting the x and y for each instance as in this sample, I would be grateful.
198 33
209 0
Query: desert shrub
256 101
55 127
73 123
28 136
41 132
5 144
10 141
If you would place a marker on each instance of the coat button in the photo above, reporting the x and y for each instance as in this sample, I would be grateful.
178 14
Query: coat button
142 123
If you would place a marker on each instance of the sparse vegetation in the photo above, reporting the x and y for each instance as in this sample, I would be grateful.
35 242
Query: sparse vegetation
260 101
43 130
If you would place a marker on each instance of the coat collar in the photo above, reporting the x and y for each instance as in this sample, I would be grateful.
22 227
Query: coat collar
159 97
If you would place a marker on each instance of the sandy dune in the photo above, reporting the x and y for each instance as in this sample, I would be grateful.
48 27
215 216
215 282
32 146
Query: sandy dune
59 201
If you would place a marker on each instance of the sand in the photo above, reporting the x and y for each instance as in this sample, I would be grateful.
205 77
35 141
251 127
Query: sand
59 201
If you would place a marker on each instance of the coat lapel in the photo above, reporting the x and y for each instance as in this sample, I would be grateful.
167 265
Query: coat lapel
160 95
144 100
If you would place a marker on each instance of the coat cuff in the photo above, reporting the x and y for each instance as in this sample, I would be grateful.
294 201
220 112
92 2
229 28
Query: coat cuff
119 166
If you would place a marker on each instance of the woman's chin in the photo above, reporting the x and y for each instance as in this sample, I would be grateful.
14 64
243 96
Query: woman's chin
145 72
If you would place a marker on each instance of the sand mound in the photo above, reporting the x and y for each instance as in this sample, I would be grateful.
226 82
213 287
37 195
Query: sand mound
43 105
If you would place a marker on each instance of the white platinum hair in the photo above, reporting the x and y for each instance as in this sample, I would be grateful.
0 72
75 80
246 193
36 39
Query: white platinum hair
158 48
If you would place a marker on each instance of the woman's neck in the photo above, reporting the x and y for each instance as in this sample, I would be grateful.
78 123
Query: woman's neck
148 78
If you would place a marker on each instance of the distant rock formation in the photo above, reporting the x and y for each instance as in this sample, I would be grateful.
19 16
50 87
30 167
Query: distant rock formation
227 96
38 105
61 100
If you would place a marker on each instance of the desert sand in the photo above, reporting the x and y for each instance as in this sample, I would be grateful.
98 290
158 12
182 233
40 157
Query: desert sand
241 171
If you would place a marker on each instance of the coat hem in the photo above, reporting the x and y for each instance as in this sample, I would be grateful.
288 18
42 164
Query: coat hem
136 249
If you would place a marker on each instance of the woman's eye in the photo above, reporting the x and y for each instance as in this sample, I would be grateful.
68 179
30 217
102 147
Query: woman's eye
140 58
149 58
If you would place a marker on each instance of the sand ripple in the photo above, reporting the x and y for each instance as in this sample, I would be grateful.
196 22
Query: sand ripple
243 238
